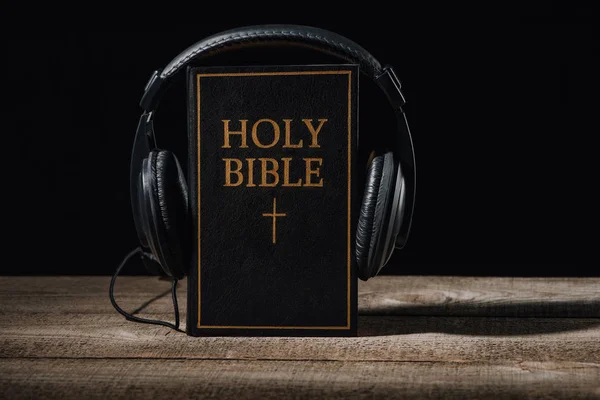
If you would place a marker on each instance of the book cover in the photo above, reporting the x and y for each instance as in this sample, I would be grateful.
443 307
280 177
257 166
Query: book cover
273 200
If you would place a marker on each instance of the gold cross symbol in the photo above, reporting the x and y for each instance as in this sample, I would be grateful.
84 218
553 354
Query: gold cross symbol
274 215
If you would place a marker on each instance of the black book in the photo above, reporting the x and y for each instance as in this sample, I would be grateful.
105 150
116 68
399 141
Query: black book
274 200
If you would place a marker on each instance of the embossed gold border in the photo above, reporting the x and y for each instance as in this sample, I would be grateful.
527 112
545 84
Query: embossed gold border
349 243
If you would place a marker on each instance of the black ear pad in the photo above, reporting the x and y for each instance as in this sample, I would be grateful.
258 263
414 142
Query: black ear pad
142 226
373 218
165 203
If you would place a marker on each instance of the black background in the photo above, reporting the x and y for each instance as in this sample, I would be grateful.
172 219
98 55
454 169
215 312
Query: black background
500 107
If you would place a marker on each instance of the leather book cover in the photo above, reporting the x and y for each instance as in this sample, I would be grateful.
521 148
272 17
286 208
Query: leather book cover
273 200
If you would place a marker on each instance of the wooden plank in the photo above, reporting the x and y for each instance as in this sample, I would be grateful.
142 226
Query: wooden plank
78 285
432 339
84 378
481 296
60 338
383 295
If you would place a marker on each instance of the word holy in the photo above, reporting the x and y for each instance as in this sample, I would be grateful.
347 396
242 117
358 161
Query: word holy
265 134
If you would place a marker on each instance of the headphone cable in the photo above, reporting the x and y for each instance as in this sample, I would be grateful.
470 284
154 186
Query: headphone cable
133 318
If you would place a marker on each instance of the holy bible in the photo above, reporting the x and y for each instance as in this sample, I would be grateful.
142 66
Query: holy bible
273 200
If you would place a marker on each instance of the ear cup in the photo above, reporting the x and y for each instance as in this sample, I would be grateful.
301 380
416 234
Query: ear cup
374 213
396 216
165 202
142 226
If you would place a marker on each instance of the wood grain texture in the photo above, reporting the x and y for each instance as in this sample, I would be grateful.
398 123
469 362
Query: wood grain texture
180 379
383 295
481 296
419 337
434 339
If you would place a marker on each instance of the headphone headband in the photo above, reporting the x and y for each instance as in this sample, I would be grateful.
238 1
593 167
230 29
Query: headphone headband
319 38
315 38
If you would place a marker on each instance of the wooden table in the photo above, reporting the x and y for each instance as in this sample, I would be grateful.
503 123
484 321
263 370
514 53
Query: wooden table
419 337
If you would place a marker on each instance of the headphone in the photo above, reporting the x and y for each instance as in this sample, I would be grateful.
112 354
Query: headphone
159 193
